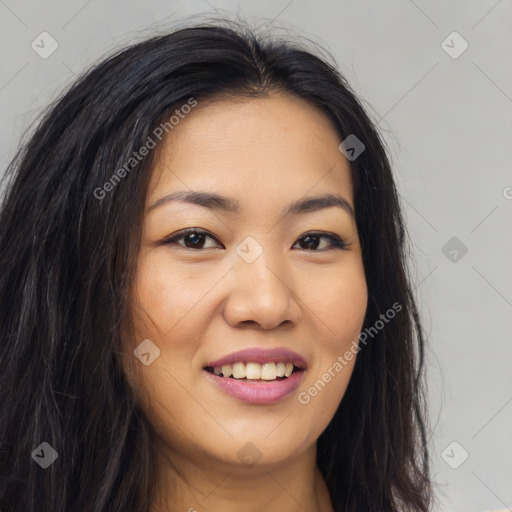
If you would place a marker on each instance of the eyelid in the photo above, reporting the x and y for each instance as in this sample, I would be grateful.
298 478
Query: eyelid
184 232
337 242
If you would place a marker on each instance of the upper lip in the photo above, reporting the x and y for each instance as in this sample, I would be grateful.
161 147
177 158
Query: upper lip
261 356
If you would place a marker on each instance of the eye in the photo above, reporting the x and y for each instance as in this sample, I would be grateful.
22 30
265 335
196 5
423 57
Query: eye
311 241
194 239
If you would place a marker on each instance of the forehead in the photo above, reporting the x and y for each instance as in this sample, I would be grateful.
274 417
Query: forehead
263 151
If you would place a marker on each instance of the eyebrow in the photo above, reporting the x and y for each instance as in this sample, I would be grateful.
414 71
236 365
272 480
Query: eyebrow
230 205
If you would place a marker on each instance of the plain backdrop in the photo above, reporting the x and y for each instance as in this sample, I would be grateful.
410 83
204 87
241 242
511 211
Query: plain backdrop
443 102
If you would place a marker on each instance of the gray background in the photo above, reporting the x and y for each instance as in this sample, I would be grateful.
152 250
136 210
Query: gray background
448 124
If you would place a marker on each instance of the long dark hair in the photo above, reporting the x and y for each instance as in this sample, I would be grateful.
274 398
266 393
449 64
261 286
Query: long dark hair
67 259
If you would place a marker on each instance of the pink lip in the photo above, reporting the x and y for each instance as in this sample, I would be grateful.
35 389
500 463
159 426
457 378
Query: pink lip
261 356
257 392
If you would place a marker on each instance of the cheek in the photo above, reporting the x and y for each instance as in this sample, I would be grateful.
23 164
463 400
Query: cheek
347 322
339 301
340 307
165 311
165 295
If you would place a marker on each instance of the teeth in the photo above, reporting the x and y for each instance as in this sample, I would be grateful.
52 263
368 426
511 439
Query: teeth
280 367
268 371
227 371
255 371
239 370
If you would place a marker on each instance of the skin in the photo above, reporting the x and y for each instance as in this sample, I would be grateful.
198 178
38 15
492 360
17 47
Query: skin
198 305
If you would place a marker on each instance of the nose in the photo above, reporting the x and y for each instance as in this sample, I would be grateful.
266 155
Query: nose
261 293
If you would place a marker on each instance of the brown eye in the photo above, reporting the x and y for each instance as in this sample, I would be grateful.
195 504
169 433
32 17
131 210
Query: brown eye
193 239
311 242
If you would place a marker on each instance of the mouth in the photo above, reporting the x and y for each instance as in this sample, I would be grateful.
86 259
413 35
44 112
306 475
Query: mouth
254 372
257 376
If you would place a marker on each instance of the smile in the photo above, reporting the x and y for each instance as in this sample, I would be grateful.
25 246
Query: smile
254 372
257 376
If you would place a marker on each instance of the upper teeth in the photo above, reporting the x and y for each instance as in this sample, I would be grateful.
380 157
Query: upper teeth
266 371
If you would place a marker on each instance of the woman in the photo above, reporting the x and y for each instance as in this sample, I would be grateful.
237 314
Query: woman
205 298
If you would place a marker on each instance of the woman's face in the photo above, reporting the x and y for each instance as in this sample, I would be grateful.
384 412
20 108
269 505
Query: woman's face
258 279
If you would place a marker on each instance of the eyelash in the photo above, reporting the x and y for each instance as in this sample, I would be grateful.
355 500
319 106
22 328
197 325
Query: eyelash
336 241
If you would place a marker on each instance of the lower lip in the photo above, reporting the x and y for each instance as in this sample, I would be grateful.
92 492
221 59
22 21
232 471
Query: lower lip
269 392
